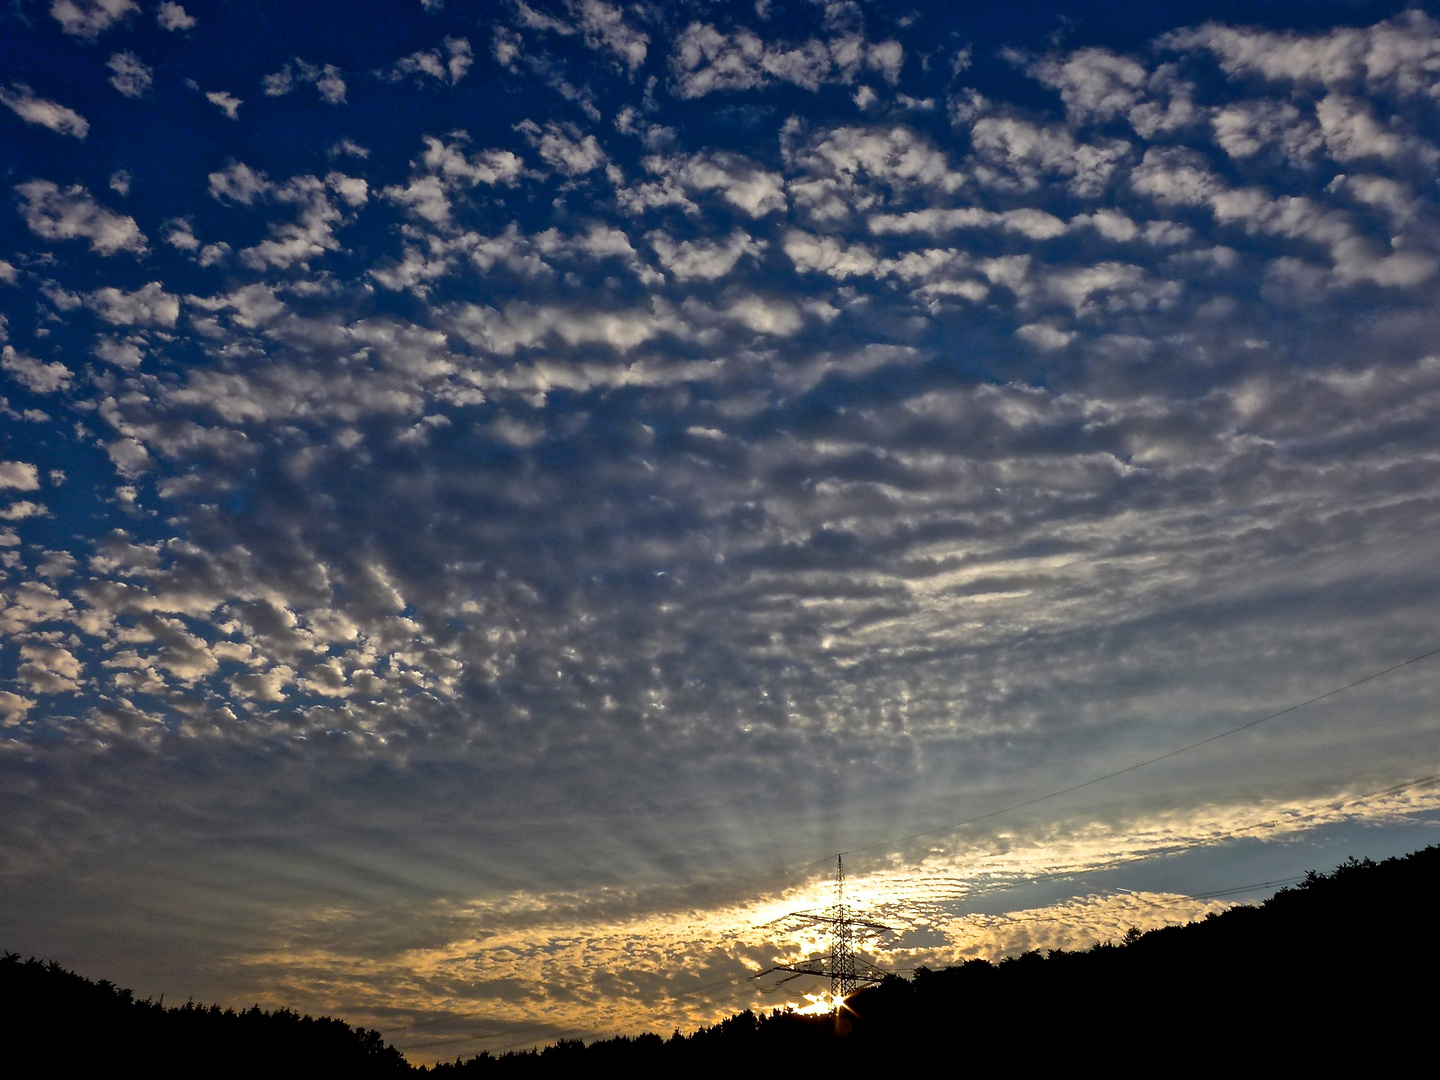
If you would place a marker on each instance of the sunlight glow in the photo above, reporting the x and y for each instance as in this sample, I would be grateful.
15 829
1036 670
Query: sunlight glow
820 1005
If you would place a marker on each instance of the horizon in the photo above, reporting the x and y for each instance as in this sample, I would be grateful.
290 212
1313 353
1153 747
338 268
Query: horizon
496 497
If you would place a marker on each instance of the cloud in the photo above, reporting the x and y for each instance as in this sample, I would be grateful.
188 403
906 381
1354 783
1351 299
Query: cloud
22 101
447 67
689 260
444 170
1246 128
1394 56
311 234
150 305
19 475
1015 155
69 214
327 80
48 669
739 181
564 147
125 354
615 475
128 75
35 375
227 103
705 61
239 182
171 16
1098 85
603 27
13 708
88 19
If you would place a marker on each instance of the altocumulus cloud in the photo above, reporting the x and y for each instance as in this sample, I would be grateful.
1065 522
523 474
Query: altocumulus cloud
651 449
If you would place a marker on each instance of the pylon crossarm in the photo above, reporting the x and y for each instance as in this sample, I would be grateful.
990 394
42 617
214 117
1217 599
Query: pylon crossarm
879 928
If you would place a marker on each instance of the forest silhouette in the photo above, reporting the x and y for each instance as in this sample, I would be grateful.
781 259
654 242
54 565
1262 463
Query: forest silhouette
1336 971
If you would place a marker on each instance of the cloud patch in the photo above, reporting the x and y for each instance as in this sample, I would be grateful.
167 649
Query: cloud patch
35 110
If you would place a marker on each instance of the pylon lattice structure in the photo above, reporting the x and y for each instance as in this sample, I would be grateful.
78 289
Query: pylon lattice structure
846 970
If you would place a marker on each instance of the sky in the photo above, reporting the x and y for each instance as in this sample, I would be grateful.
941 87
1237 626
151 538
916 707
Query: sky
495 497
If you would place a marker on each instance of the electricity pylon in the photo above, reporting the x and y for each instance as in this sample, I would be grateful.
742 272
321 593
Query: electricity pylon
847 971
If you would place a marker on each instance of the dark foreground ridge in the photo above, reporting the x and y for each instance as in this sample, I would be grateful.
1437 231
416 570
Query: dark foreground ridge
60 1023
1340 969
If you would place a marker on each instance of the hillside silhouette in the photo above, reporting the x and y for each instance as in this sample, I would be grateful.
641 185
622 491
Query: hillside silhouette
1339 970
59 1023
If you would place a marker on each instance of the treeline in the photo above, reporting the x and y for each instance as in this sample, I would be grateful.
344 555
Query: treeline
1339 971
58 1023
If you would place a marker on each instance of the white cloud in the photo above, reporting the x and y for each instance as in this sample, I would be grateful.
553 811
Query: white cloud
1098 85
125 354
1044 336
1395 198
1016 155
171 16
1397 55
34 374
150 305
1246 128
120 182
604 27
1035 224
19 475
1175 177
227 103
448 170
1108 288
129 75
851 169
703 260
239 182
424 196
1352 133
830 255
764 315
1094 83
309 236
69 214
13 708
1179 177
327 80
50 114
739 181
523 326
178 234
353 189
49 669
706 60
451 164
330 85
563 147
447 67
89 18
539 20
505 47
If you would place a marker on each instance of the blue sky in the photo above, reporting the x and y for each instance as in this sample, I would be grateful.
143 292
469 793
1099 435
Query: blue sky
497 495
